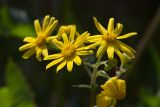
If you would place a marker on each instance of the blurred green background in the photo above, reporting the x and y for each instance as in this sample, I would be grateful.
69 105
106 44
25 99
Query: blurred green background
26 83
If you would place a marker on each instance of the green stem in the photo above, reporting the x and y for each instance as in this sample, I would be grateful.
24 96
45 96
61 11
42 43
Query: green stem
93 83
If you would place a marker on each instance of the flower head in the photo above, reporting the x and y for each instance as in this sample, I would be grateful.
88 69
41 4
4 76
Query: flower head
38 45
113 89
70 51
67 29
109 42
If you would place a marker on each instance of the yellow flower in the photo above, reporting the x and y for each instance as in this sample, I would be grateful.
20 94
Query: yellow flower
109 40
38 45
71 50
105 101
67 29
113 89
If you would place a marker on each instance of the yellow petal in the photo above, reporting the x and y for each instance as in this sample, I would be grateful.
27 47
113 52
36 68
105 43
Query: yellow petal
58 44
29 39
45 51
130 48
54 56
105 101
118 29
95 37
110 87
51 21
110 51
72 33
120 56
69 65
45 23
54 62
50 28
29 53
125 50
127 35
37 27
84 52
38 53
81 39
111 25
27 46
50 38
101 49
99 26
65 38
121 84
93 46
61 65
77 60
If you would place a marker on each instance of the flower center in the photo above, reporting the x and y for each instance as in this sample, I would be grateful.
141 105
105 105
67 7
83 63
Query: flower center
109 37
68 50
40 40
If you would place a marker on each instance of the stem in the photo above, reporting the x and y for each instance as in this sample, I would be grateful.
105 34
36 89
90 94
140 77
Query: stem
87 69
93 83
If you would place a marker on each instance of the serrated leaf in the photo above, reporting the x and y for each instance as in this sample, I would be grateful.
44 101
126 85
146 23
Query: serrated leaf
19 89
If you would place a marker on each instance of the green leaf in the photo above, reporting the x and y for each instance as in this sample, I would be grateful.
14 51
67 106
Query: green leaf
5 97
19 89
22 30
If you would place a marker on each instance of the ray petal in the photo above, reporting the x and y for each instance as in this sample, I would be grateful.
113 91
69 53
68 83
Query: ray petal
127 35
77 60
120 55
118 29
27 46
69 65
81 39
61 65
99 26
84 52
125 50
65 38
45 51
110 51
54 56
72 33
37 27
45 23
58 44
101 49
29 53
50 28
38 53
54 62
29 39
111 25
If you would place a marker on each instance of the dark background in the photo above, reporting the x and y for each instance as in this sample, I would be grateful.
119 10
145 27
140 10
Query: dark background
55 90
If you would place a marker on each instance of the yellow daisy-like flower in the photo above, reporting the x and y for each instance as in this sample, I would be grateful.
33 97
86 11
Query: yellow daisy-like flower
63 29
38 45
113 89
71 50
109 42
105 101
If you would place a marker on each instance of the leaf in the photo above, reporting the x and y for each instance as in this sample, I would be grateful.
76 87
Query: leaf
19 89
22 30
5 97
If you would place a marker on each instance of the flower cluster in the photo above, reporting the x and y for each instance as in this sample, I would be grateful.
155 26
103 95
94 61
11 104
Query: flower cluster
113 89
71 46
